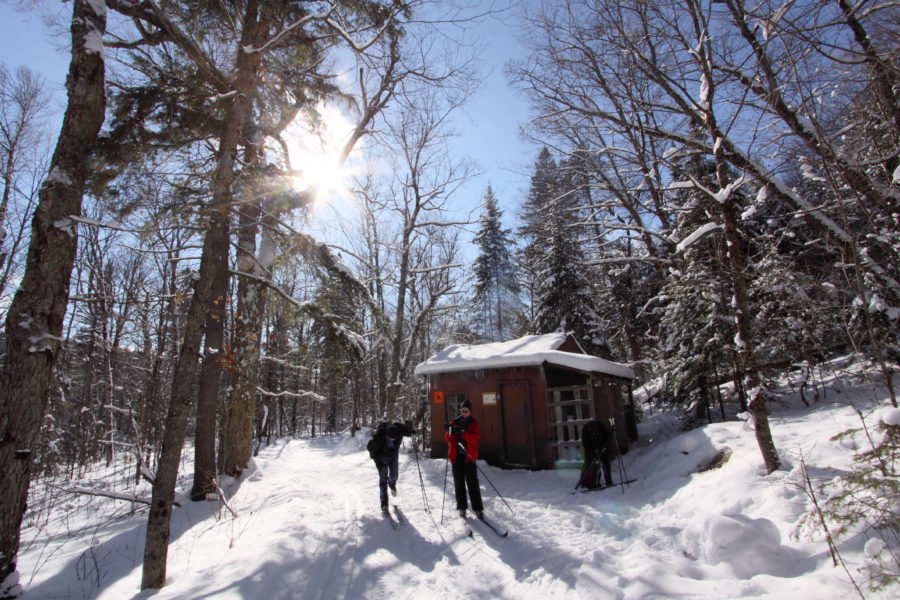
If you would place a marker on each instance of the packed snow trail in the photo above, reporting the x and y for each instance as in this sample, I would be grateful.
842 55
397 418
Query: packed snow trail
309 525
336 531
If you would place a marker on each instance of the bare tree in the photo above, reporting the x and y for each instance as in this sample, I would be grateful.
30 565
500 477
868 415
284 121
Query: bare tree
22 104
422 250
763 91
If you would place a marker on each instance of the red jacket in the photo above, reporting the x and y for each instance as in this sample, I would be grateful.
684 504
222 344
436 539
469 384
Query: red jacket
470 437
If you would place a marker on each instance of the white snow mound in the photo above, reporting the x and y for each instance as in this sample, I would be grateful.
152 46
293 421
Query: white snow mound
748 547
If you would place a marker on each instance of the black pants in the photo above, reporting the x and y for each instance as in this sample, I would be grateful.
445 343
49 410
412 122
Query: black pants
387 474
465 474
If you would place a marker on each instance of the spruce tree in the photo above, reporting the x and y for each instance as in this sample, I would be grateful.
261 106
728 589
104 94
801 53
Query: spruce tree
697 326
553 255
531 233
496 286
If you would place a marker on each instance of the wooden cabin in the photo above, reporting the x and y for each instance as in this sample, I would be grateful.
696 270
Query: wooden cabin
531 396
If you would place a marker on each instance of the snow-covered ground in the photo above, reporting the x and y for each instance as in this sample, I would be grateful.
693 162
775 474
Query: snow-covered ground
308 525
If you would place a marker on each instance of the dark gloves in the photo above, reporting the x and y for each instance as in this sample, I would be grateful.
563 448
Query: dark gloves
409 427
453 429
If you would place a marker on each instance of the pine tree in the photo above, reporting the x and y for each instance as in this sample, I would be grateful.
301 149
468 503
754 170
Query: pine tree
496 286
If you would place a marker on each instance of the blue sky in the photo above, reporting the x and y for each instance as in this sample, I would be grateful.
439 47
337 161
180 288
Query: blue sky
488 126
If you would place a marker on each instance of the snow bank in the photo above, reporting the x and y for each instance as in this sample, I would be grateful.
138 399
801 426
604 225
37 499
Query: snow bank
749 547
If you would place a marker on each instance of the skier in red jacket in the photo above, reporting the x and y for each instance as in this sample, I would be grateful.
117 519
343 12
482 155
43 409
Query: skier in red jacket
462 438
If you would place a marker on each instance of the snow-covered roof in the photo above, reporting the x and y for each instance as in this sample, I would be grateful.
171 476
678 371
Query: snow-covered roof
524 351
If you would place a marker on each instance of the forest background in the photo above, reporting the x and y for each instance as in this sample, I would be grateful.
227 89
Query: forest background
716 199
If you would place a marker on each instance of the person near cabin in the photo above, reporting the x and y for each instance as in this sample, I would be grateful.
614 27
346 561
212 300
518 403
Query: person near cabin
462 443
384 449
598 442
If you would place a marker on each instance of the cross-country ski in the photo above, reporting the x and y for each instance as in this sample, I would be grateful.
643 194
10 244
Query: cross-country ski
604 488
499 531
386 513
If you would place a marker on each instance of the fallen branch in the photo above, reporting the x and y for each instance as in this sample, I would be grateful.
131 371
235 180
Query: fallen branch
106 494
223 500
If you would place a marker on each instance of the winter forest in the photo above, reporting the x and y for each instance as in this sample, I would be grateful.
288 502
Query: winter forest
714 200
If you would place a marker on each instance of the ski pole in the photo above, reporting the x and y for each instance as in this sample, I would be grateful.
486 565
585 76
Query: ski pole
480 470
624 473
444 496
421 480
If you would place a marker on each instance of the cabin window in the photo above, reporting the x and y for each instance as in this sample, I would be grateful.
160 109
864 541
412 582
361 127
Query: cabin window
570 408
453 403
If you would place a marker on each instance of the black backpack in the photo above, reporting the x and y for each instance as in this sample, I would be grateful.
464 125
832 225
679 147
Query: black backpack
377 441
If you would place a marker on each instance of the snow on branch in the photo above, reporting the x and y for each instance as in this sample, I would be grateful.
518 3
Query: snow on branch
723 195
698 233
443 267
356 46
108 224
304 395
323 16
742 160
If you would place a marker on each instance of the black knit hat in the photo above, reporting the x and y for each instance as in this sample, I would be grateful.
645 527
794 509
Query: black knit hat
465 404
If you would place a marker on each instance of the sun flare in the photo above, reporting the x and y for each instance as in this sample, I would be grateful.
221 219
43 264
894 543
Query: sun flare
315 143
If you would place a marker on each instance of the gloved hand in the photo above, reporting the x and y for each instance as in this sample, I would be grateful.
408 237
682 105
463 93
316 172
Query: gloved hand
409 427
457 431
447 426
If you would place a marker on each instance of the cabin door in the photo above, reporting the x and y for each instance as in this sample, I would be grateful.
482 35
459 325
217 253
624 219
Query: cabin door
518 426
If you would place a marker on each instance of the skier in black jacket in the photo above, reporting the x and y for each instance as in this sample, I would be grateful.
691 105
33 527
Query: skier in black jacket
599 446
384 448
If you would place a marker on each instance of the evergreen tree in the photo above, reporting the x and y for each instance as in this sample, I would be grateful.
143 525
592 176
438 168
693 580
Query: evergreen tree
496 286
531 232
554 258
697 326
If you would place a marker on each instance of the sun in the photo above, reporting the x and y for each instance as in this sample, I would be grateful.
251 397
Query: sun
315 144
323 174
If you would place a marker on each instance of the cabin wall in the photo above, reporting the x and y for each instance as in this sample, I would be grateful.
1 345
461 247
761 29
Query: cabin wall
511 407
510 400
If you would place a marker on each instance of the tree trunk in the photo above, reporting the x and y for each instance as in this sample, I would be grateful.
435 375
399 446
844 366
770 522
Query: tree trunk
237 428
736 263
745 342
35 318
208 394
215 249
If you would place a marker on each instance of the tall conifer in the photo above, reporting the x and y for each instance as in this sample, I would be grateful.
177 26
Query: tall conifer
496 287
